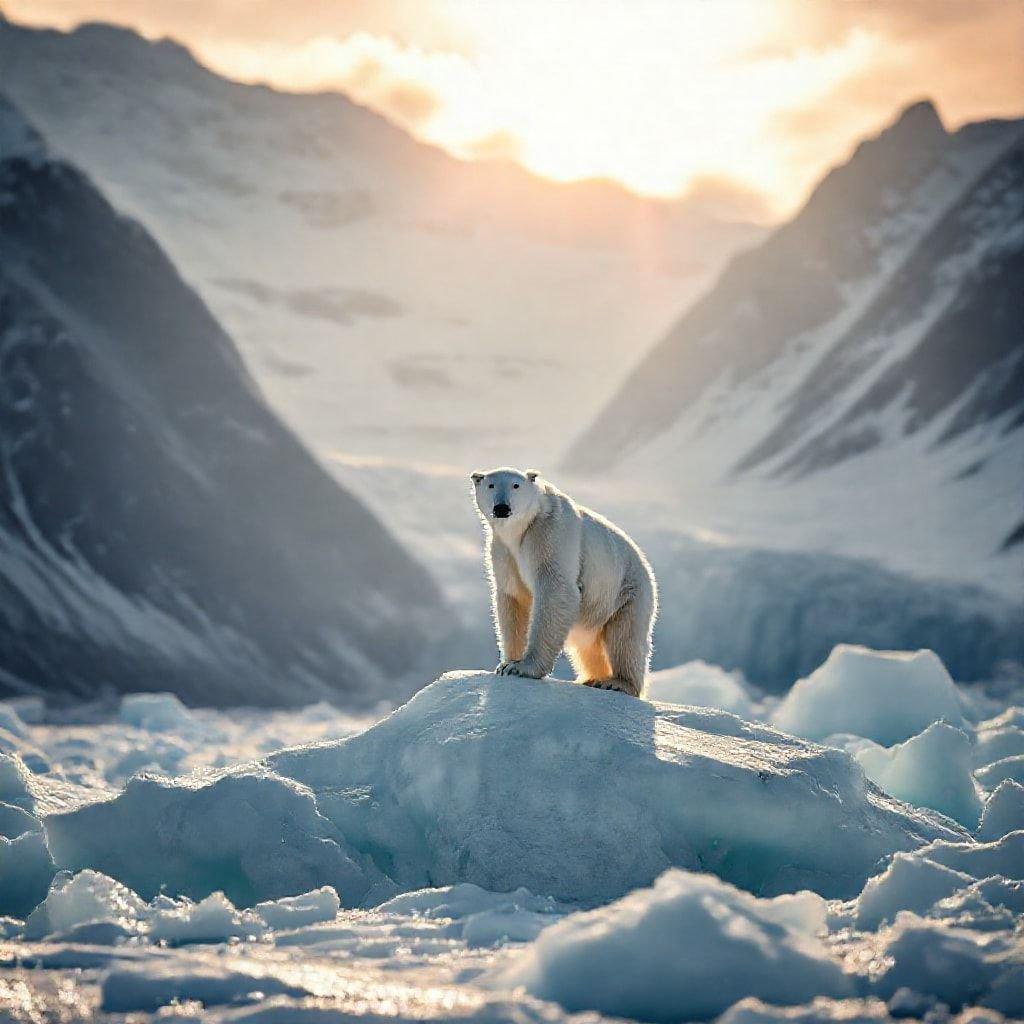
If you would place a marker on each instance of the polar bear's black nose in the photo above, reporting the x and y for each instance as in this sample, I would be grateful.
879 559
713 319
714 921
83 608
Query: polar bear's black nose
502 511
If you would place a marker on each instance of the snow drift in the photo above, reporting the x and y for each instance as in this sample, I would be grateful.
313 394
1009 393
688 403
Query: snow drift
577 794
685 949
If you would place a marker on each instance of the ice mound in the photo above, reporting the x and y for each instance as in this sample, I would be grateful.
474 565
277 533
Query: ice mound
994 744
933 769
255 836
566 791
909 883
25 863
1004 811
16 821
1003 857
155 712
953 966
299 911
1007 768
484 918
701 685
25 873
685 949
15 781
95 904
885 696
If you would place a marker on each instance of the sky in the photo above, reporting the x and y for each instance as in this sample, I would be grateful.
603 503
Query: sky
743 102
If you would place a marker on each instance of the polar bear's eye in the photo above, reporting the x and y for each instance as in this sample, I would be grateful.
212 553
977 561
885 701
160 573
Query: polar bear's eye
490 487
515 487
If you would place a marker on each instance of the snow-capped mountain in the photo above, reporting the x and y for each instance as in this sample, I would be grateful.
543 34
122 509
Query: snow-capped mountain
856 382
159 527
390 299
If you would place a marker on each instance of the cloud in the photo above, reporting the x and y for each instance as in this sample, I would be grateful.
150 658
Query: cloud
409 102
729 200
742 103
499 145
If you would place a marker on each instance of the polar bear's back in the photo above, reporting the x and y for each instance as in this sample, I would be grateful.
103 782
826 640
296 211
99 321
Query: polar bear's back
612 569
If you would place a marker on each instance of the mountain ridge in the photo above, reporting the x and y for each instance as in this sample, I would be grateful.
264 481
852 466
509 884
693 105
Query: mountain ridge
869 346
159 527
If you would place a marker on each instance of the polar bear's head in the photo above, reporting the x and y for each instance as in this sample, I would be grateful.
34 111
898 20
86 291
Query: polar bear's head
506 494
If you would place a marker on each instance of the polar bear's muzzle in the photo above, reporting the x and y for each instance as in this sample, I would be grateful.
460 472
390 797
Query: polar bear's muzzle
502 511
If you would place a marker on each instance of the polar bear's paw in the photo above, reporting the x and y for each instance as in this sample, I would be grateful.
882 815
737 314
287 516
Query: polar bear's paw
619 685
524 668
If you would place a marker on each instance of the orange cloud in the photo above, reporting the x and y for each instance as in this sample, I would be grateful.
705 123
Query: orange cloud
745 102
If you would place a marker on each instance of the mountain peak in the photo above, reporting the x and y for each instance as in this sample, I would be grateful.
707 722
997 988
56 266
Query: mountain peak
920 119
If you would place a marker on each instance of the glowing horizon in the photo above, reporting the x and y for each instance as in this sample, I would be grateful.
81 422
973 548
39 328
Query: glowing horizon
745 102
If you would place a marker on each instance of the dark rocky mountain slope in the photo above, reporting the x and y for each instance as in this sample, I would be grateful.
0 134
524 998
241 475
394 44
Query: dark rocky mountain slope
159 527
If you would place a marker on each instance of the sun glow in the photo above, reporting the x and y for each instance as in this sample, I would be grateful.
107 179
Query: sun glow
748 99
657 96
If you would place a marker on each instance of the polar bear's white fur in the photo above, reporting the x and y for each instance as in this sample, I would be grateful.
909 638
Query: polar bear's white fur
563 577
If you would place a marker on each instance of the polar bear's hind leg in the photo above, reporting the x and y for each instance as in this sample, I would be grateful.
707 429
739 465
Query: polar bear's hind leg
627 640
589 658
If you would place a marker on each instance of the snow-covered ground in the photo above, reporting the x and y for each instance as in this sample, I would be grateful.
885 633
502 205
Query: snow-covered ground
526 851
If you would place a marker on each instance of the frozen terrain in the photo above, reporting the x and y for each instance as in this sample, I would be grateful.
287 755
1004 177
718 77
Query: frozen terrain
515 850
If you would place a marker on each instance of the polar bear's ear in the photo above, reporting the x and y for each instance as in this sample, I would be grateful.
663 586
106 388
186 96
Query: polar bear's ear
476 477
532 474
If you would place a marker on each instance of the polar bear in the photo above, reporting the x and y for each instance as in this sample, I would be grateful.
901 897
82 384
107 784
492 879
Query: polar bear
563 577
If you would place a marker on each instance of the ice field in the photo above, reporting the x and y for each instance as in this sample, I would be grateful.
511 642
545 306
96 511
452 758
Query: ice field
507 849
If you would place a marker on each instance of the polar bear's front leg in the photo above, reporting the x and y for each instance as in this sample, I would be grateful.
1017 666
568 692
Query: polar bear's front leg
556 606
513 620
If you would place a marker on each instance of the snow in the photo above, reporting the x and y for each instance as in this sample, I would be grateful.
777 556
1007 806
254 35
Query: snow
847 1011
297 911
701 685
1004 811
954 966
484 918
14 780
993 744
213 919
499 850
885 696
909 883
933 769
687 948
90 899
1003 856
1007 768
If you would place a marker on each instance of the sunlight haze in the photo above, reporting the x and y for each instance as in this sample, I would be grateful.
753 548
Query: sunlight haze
721 100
